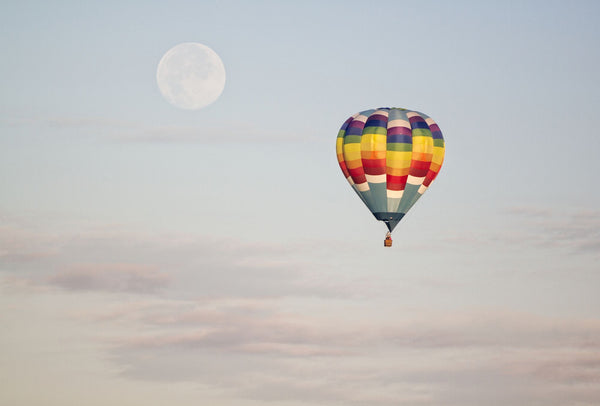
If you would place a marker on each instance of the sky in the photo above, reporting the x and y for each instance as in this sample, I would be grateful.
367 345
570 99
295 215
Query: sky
151 255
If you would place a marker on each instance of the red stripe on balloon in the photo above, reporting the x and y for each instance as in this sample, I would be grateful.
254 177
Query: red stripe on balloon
396 182
358 175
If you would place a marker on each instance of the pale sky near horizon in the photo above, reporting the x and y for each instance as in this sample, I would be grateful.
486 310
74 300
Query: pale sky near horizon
151 255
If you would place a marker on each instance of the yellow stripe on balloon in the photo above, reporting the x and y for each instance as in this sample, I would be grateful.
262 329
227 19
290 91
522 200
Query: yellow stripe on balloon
339 146
438 155
422 144
352 151
373 143
399 156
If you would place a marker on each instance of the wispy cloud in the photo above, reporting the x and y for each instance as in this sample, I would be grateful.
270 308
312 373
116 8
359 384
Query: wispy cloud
575 230
233 133
19 245
269 353
129 131
111 277
231 324
112 259
265 322
528 211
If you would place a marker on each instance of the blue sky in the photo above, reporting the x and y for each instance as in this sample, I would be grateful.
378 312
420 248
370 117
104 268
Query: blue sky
152 255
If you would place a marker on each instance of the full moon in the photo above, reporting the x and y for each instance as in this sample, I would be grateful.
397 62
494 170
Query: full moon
190 76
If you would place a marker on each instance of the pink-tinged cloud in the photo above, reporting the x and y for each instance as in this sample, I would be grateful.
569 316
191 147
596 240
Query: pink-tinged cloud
110 277
451 358
529 211
575 230
230 328
572 367
274 323
197 265
21 245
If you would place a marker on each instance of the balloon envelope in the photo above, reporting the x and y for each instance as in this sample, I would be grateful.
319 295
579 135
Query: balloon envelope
390 156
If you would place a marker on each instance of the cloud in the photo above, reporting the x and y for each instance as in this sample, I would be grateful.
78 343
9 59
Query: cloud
528 211
128 131
461 358
240 133
523 228
247 325
576 230
138 278
65 123
571 369
190 266
22 245
268 323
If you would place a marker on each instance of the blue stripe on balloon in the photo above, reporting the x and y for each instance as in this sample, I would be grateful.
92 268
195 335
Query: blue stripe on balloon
354 130
345 125
418 124
407 139
376 123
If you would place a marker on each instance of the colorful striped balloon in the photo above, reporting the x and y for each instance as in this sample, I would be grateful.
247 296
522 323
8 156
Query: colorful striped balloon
390 156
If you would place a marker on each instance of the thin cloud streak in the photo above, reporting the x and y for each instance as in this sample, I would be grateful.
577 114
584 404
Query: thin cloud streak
233 326
127 131
270 321
190 265
418 352
111 277
21 245
575 231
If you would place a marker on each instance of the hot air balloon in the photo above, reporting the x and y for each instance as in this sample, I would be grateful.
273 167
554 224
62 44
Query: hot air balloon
390 156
